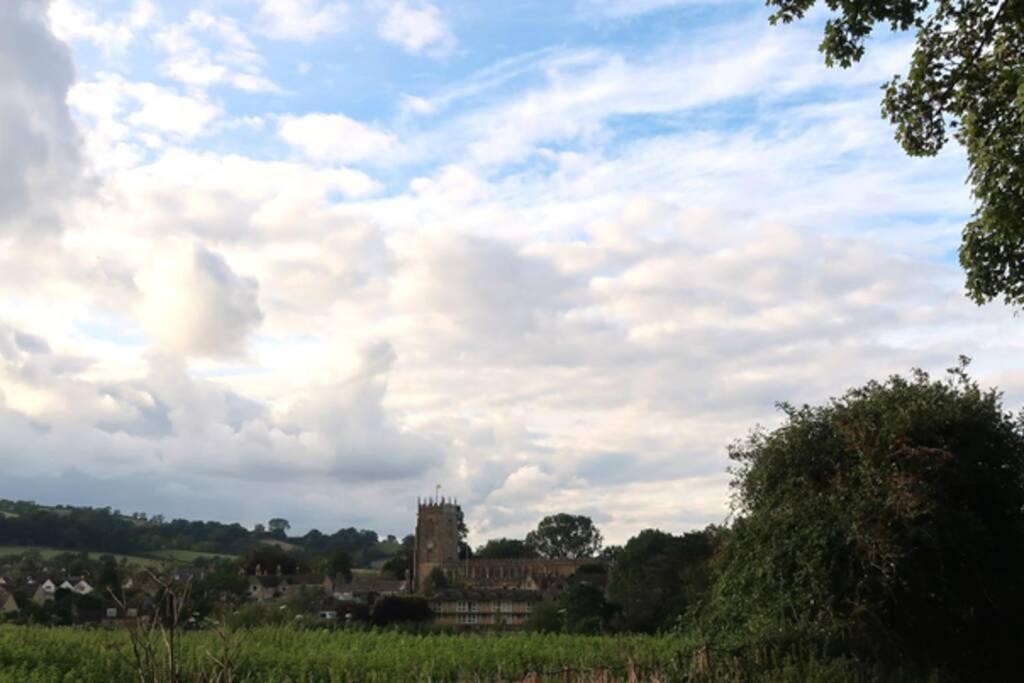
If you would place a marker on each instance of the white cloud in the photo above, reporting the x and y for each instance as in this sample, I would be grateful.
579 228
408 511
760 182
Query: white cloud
39 143
418 27
192 61
194 304
72 22
301 20
600 267
335 138
632 8
129 117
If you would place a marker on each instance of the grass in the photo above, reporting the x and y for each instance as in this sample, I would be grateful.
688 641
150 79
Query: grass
153 560
50 553
188 556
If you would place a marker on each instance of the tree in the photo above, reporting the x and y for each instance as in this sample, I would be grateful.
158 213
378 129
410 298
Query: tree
545 617
585 609
279 524
887 522
259 529
268 558
966 77
658 577
436 580
505 549
565 536
394 609
338 562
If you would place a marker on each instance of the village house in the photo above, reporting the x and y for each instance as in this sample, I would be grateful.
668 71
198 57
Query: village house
483 607
268 587
45 592
368 592
8 605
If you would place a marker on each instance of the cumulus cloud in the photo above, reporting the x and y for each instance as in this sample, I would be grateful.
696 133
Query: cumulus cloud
417 27
335 138
569 289
301 20
39 143
194 304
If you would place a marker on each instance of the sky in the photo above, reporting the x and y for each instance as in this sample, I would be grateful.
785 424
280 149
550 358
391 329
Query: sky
314 258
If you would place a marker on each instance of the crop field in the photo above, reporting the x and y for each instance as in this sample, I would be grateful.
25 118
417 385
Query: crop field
41 655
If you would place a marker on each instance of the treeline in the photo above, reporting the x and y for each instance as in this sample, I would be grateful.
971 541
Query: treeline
103 530
878 535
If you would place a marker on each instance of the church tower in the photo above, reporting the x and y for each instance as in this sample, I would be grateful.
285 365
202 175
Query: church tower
437 537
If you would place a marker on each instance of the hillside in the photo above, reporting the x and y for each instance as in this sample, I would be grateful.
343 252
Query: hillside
55 529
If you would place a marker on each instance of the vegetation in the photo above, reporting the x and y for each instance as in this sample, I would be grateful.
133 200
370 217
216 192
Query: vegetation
658 577
25 524
876 537
965 76
505 549
36 655
885 526
565 536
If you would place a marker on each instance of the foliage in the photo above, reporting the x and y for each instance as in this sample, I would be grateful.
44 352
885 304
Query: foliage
401 563
565 536
394 609
271 559
659 576
436 580
545 617
102 530
967 76
279 524
338 562
505 549
585 609
886 524
265 654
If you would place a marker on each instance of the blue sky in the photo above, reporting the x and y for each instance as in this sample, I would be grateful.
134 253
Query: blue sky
311 258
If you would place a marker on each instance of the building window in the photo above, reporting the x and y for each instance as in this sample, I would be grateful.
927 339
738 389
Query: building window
474 607
462 606
505 606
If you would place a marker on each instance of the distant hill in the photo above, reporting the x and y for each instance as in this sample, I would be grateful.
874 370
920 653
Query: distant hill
25 524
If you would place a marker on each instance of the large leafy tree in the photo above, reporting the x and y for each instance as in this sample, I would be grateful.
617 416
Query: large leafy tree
887 522
658 576
565 536
966 79
505 549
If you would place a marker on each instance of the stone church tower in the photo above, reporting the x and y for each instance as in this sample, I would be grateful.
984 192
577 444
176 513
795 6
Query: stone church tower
437 537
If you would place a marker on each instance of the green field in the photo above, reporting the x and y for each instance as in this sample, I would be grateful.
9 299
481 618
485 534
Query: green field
50 553
187 556
40 655
155 559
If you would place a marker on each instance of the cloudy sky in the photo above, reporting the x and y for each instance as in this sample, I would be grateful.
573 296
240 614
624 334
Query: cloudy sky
310 258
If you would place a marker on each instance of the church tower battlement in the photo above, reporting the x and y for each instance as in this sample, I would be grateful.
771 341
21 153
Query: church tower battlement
437 536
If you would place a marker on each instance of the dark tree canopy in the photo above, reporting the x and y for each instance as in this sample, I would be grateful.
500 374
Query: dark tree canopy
279 524
966 78
565 536
394 609
888 521
505 549
658 576
339 563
